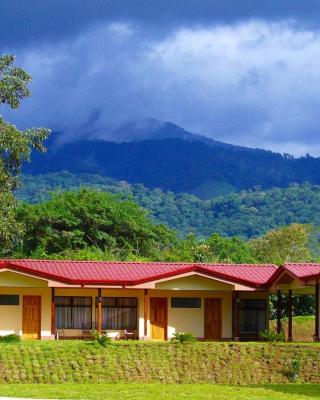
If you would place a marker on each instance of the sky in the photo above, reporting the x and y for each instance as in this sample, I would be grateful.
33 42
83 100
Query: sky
241 71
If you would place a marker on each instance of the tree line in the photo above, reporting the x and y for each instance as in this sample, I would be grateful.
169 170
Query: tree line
247 214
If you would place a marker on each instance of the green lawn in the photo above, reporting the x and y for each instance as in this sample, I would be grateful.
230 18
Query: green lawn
160 391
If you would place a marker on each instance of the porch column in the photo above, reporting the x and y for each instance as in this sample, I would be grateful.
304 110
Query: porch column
99 315
236 317
317 316
290 315
279 311
53 312
145 313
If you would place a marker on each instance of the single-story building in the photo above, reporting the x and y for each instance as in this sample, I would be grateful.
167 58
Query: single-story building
46 299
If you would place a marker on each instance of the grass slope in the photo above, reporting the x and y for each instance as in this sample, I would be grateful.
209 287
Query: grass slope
247 214
152 362
167 392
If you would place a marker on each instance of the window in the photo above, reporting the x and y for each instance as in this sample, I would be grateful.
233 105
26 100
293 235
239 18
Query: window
9 299
185 302
119 313
73 312
252 315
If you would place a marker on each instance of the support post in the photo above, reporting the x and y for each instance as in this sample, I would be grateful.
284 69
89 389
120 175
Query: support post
317 316
236 316
290 315
53 312
145 313
279 311
99 316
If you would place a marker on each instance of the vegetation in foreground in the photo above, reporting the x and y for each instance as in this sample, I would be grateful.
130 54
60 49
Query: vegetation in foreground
167 392
159 362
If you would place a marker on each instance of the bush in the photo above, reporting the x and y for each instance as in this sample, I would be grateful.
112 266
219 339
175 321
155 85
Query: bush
10 339
103 340
271 336
180 337
293 372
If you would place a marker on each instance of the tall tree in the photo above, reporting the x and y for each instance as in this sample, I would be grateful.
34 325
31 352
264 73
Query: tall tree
287 244
15 147
91 219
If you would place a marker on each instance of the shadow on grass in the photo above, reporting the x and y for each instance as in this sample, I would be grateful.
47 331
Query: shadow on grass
305 389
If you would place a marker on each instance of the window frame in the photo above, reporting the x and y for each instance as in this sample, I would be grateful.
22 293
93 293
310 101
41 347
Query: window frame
256 308
119 306
73 306
197 306
11 296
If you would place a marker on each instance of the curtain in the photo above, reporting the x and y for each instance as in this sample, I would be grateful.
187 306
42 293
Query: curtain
119 313
73 312
252 315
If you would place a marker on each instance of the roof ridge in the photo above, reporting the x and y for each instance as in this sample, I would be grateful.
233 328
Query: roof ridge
146 262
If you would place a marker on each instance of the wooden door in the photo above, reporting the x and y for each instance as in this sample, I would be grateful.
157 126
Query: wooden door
212 319
158 318
31 317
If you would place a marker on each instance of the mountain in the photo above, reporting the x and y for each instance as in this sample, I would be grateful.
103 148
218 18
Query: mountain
247 214
178 165
153 129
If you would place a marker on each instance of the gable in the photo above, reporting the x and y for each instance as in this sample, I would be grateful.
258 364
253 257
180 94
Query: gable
194 282
14 279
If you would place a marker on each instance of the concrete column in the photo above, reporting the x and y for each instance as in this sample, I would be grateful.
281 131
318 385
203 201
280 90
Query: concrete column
53 312
99 316
145 313
317 316
279 311
236 316
290 315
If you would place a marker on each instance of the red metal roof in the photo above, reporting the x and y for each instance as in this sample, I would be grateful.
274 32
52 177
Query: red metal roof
303 270
133 273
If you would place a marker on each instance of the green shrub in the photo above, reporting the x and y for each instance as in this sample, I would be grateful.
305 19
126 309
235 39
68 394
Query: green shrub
103 340
293 372
271 336
180 337
10 339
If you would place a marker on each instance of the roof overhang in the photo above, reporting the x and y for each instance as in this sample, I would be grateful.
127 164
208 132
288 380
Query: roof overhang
284 279
149 282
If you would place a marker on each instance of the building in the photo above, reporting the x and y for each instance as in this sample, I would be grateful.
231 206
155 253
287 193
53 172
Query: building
43 299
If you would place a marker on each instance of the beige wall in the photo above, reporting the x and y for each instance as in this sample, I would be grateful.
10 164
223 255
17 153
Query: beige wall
194 282
11 316
13 279
192 319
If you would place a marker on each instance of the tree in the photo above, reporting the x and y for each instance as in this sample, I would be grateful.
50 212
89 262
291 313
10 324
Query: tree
288 244
91 219
233 250
15 148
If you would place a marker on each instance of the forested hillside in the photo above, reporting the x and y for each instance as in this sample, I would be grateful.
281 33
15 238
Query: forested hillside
247 214
178 165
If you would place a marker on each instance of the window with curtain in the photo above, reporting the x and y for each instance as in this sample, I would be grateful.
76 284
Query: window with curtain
73 312
119 313
253 315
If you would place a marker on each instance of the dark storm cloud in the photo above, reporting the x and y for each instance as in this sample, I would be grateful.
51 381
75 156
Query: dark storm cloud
244 72
26 22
